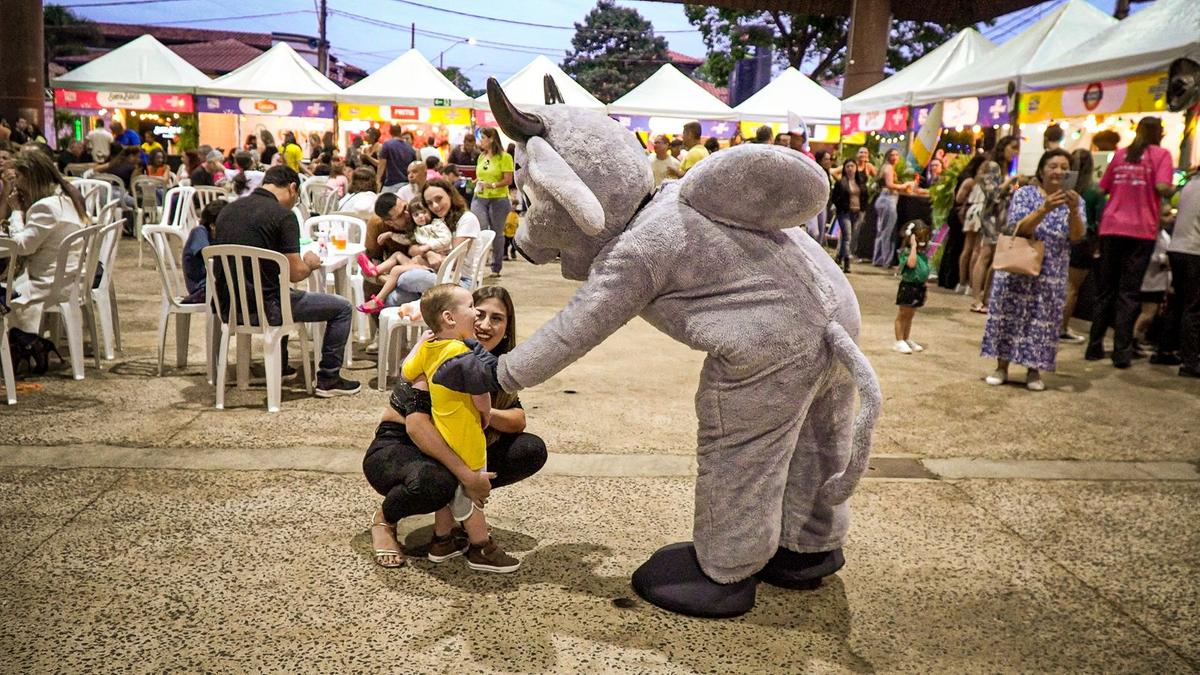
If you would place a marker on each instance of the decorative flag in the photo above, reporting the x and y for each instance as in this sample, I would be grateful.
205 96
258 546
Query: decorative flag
925 142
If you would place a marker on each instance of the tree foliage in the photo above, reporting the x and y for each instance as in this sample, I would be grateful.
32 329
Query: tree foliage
614 50
67 34
814 45
456 76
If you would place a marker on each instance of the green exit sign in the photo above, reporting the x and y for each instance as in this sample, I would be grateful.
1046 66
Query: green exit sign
442 102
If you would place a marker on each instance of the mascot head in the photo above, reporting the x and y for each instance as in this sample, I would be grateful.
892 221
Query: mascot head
582 175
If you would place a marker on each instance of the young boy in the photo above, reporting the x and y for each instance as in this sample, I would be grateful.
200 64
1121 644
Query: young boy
432 242
460 418
511 223
913 275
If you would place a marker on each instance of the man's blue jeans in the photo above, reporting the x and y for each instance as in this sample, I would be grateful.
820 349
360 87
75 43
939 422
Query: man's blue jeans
336 312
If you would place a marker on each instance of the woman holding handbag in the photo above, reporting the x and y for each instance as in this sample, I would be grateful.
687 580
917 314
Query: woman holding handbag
1030 284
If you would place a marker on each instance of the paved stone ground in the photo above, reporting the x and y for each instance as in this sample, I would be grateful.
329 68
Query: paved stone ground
141 530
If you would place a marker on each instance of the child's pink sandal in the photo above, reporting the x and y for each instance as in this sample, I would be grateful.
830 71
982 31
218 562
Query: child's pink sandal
368 268
372 306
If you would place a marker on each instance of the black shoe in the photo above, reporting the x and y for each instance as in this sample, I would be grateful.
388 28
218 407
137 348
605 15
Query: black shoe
338 387
259 372
673 580
1184 371
1165 360
800 571
1093 356
1122 364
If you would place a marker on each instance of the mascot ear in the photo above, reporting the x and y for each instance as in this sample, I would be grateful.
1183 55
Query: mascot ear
548 171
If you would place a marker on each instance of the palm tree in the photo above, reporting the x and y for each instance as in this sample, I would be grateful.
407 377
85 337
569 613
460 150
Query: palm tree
67 34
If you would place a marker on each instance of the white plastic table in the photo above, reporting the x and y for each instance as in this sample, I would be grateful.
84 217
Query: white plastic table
337 262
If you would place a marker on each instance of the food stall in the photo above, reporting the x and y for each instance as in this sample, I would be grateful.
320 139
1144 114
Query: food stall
142 85
793 94
410 92
666 101
278 91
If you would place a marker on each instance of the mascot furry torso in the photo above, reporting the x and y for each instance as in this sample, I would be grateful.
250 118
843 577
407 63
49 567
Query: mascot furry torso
716 261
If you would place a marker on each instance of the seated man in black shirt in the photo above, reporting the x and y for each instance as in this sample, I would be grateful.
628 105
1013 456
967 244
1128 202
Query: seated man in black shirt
203 175
264 219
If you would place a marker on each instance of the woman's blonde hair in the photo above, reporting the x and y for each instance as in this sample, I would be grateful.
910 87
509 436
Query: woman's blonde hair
42 180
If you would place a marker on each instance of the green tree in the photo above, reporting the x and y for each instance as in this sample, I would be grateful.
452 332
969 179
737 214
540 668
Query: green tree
456 76
614 50
67 34
815 45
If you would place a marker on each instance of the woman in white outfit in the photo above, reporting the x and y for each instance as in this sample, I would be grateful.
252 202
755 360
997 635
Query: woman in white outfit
45 209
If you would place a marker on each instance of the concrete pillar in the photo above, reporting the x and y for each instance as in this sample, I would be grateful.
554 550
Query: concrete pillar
870 27
22 73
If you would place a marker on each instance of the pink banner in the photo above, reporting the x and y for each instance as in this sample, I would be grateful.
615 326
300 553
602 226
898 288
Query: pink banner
97 100
893 120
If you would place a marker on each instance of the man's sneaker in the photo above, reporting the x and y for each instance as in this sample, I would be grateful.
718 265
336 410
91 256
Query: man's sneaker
491 558
1071 336
902 347
258 371
1165 359
914 346
338 387
450 546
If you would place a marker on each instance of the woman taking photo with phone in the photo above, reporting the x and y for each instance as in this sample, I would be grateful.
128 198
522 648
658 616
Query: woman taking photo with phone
1025 311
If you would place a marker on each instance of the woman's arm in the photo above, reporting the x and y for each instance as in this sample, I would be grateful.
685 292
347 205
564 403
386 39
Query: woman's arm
39 223
1077 228
964 190
504 181
510 421
889 179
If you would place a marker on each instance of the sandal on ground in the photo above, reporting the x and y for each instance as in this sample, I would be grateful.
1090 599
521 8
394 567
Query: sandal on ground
1035 383
978 308
997 378
381 553
372 306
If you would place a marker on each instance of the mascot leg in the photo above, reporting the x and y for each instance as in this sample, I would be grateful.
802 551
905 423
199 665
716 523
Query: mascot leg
749 427
810 546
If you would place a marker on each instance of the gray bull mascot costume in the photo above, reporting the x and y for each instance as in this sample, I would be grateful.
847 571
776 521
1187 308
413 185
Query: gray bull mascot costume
717 260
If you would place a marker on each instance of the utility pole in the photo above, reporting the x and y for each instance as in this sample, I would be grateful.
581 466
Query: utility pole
22 78
1122 9
323 46
412 37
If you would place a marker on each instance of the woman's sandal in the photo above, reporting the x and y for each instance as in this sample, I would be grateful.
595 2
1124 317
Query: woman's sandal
381 553
372 306
978 308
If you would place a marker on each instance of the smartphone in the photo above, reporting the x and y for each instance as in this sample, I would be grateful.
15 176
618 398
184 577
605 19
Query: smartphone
1070 180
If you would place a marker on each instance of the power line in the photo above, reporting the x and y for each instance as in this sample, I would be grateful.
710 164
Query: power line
118 3
530 23
487 44
233 18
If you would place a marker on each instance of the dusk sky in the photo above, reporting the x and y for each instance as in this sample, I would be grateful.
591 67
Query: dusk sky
370 45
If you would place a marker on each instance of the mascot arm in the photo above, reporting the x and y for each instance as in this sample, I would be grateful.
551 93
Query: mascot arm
473 372
620 284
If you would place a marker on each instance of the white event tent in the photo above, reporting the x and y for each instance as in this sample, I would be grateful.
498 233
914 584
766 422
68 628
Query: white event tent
1054 38
526 87
143 65
278 90
1146 42
409 80
670 93
791 92
965 49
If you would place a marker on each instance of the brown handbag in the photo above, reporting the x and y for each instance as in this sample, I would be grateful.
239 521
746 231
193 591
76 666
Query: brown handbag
1019 255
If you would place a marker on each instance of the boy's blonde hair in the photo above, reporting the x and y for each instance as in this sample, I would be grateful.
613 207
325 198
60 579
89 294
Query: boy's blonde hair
436 300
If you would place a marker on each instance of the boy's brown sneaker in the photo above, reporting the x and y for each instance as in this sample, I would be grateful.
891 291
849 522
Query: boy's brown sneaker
450 546
490 557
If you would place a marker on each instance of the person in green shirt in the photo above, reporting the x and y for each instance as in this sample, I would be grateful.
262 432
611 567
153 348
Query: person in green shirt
913 275
1083 252
493 175
293 154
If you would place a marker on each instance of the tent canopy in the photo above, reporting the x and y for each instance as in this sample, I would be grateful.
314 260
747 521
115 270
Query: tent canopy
142 65
1146 42
278 73
670 93
964 49
526 87
1052 39
408 80
791 92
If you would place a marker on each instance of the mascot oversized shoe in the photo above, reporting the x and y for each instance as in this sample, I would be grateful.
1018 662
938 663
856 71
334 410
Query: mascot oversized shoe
672 579
800 571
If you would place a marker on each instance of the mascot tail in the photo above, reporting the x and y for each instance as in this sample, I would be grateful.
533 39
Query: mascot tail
838 487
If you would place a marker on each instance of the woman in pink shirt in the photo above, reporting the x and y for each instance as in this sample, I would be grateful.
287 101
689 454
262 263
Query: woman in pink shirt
1136 181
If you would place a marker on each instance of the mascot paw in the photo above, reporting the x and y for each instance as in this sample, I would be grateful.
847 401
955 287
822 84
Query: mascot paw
800 571
673 580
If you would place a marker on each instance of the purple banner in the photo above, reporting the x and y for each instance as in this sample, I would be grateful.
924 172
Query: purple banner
965 112
718 128
278 107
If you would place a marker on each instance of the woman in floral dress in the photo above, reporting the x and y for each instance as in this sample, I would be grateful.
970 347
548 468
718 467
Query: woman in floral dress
1025 311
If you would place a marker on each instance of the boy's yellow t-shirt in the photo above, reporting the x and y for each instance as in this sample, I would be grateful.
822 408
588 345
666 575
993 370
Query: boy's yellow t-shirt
692 157
454 413
511 223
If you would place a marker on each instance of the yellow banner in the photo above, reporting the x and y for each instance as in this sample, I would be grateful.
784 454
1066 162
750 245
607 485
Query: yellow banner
1141 94
401 113
822 133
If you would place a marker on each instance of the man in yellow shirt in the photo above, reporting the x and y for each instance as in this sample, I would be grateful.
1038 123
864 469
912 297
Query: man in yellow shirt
695 150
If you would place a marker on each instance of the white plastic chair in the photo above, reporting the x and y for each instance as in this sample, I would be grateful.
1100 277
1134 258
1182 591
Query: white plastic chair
147 205
325 202
104 296
177 208
96 195
246 316
310 187
8 254
160 238
477 259
70 292
390 320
